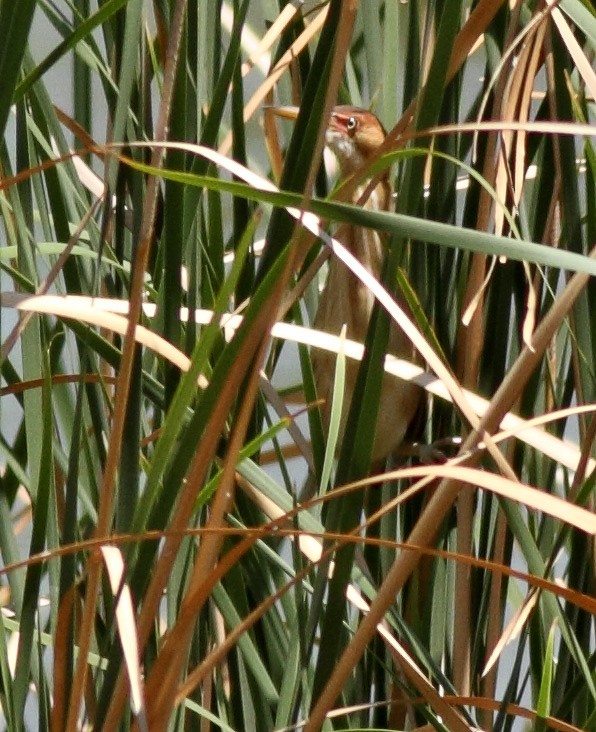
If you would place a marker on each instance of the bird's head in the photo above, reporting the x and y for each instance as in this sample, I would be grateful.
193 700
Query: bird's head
353 134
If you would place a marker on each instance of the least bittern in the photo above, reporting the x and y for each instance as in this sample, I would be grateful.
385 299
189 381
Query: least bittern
353 135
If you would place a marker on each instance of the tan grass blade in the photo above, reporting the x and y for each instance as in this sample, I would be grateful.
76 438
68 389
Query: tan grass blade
93 311
127 629
581 62
277 72
513 629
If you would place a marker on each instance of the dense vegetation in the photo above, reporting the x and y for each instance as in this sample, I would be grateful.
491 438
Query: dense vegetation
159 570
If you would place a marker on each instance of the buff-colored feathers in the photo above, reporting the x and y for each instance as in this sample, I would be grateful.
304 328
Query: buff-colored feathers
353 135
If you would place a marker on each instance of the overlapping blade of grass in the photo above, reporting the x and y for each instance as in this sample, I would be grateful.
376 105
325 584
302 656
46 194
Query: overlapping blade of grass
555 208
16 22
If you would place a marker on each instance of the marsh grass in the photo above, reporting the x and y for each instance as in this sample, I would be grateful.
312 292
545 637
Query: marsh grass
159 571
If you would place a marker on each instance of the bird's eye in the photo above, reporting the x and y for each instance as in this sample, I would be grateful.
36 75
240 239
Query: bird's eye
351 124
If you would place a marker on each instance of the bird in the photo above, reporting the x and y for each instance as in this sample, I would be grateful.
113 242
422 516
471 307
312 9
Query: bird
353 135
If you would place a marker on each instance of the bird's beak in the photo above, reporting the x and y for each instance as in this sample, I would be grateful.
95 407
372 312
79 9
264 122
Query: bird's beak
287 112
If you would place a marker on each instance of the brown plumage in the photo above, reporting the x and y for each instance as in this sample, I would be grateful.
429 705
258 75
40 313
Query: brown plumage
353 135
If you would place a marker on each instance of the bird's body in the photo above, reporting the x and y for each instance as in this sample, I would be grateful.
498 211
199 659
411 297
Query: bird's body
353 135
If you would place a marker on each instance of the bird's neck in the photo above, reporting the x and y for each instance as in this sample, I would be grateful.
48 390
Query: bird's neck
367 245
348 155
